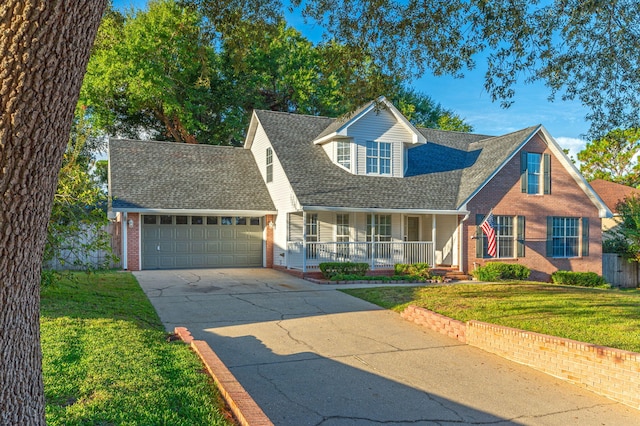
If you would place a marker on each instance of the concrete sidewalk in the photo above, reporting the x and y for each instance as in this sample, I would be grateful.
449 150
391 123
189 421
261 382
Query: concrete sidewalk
311 355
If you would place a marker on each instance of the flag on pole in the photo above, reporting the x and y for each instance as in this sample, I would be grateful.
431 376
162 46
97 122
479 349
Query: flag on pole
489 230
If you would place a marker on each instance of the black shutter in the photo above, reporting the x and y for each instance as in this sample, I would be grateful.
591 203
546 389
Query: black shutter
585 236
479 237
549 236
520 237
523 171
546 165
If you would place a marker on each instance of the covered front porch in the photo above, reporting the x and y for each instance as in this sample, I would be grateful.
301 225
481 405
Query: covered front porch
380 239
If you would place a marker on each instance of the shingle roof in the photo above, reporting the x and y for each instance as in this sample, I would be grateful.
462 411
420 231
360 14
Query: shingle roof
441 173
612 193
169 175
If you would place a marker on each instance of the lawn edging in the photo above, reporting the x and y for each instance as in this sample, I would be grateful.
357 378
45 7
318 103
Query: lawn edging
245 409
609 372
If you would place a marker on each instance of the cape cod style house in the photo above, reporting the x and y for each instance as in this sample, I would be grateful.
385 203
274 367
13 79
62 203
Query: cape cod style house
368 187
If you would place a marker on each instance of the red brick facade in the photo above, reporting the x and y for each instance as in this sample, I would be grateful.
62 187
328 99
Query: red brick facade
269 221
133 242
567 199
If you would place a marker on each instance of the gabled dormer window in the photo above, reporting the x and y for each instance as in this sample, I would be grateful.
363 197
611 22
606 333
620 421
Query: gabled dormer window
269 164
378 158
343 154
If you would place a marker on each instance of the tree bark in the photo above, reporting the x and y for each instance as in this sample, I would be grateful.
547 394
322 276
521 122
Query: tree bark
44 49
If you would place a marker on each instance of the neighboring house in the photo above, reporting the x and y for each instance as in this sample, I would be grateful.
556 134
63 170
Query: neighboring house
611 194
370 187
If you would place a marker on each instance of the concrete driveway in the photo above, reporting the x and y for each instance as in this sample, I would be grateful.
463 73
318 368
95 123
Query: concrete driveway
311 355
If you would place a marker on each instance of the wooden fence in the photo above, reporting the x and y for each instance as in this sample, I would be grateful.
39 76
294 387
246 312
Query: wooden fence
619 272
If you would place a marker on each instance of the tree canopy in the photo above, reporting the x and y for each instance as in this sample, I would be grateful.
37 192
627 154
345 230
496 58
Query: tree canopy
613 157
165 73
584 50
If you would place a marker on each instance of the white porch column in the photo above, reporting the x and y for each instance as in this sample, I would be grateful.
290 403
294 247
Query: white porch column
373 241
304 241
434 235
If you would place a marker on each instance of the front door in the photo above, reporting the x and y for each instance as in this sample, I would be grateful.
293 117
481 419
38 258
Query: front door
413 228
411 251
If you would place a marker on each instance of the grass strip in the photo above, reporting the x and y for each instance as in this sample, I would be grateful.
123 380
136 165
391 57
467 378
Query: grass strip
106 359
602 317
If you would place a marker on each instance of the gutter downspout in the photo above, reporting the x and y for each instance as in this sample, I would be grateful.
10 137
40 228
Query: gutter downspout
123 223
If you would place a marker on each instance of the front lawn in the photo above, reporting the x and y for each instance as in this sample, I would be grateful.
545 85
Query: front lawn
106 359
603 317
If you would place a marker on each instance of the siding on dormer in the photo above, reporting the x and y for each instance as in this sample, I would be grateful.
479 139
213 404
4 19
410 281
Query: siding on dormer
380 126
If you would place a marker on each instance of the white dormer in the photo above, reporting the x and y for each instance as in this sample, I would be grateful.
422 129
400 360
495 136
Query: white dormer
372 141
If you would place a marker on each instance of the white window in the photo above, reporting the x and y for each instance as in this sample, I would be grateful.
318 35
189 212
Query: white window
343 154
566 236
312 227
342 236
269 163
378 158
311 230
535 170
342 228
381 231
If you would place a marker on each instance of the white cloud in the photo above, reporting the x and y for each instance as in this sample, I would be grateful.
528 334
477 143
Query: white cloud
574 145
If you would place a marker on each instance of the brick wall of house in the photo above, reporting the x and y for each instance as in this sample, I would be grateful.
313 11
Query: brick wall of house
269 240
504 196
133 242
610 372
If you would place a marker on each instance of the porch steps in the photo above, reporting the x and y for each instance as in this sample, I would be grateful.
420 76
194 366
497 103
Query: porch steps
451 273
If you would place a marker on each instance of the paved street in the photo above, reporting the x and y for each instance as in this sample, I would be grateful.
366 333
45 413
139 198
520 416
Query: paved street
311 355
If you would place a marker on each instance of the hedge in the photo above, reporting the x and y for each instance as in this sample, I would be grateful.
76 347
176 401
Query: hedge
498 271
580 279
331 269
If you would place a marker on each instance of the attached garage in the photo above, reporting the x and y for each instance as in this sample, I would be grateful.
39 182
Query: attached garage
180 241
189 206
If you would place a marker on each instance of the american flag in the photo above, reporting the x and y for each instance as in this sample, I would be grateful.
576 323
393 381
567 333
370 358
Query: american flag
489 230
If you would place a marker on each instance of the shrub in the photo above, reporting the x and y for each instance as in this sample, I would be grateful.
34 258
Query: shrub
581 279
331 269
498 271
418 270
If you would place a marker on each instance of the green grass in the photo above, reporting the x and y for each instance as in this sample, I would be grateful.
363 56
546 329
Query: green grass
107 361
602 317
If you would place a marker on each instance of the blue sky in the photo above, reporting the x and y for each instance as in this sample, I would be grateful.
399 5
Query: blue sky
467 97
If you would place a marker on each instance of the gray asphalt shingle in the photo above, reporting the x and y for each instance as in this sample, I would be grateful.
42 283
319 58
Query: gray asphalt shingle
169 175
441 173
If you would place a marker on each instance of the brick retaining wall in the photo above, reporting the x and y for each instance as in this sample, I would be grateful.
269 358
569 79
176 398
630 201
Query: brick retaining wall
610 372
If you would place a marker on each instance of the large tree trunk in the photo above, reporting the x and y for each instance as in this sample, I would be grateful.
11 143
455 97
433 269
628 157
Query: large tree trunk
44 49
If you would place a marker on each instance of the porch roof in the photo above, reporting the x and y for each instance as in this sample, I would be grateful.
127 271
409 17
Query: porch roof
441 173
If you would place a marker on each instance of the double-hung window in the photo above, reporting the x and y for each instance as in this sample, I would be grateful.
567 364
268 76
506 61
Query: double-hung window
343 154
567 236
311 231
269 164
378 158
535 173
342 236
509 237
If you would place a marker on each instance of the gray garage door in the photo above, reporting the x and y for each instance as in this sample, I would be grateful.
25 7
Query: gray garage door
170 242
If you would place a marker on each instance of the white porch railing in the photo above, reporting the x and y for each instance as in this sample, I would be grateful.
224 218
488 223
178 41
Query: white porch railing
379 255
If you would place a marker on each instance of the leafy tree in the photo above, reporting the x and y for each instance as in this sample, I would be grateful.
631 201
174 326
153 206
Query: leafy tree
422 111
45 47
157 71
585 50
625 238
613 157
153 71
78 215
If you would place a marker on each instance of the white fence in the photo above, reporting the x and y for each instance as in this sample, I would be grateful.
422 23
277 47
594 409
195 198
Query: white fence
379 255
